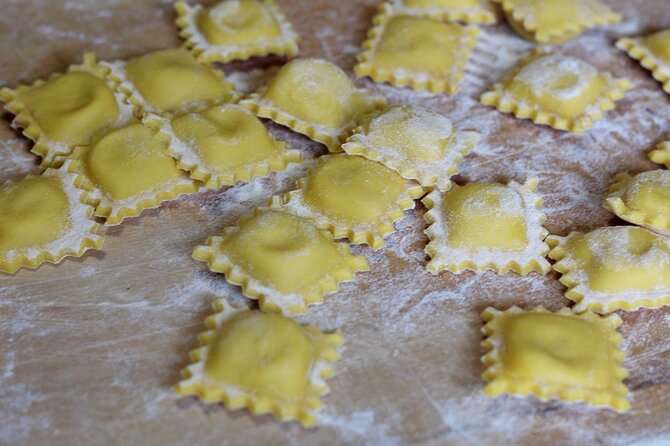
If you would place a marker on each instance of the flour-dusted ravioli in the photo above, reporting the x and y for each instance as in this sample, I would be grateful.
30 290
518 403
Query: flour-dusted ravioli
316 98
483 226
643 199
466 11
44 219
653 52
556 21
222 145
563 92
612 268
353 198
169 81
128 170
417 143
235 30
67 109
417 52
263 362
284 261
561 355
661 155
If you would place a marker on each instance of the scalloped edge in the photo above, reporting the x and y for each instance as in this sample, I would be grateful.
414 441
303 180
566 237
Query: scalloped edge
195 382
581 294
616 88
269 299
49 150
188 159
115 211
372 234
365 66
616 204
525 26
638 51
481 15
661 155
205 52
79 210
533 255
614 398
461 144
332 138
117 75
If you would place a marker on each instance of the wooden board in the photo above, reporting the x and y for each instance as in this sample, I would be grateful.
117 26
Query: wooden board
90 348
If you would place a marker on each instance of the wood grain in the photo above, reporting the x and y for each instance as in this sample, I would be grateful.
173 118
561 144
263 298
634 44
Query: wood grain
90 348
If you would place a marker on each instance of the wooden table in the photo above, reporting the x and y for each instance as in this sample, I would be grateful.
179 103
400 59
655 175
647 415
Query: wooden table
90 348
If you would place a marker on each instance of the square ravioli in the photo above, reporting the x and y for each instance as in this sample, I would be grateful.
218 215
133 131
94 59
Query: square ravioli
563 92
653 53
556 21
263 362
353 198
44 219
661 155
416 142
283 261
222 145
169 81
483 226
316 98
67 109
643 199
128 170
417 52
613 268
236 30
562 355
466 11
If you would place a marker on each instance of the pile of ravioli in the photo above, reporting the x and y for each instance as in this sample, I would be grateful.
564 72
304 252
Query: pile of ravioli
116 138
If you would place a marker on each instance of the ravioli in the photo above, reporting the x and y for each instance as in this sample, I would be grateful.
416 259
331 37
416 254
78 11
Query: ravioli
613 268
222 145
283 261
561 355
482 226
563 92
316 98
416 52
236 30
263 362
653 53
353 198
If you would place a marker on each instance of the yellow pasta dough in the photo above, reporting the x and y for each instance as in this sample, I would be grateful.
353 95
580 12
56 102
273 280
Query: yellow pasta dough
67 109
263 362
611 268
222 145
316 98
483 226
653 52
557 90
43 219
643 199
170 81
128 171
562 355
352 197
467 11
416 142
417 52
283 261
235 30
661 154
556 21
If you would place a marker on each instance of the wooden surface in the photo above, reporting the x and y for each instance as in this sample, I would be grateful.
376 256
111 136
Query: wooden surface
90 348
